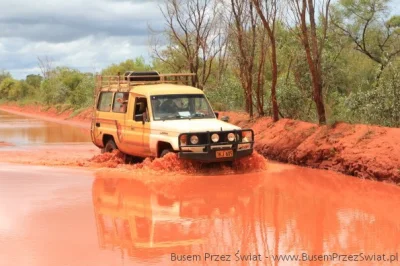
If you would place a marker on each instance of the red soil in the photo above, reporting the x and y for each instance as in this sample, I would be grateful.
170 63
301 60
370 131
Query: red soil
5 144
365 151
51 114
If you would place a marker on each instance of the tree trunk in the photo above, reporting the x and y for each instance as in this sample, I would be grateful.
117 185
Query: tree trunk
319 102
268 21
317 86
275 108
313 55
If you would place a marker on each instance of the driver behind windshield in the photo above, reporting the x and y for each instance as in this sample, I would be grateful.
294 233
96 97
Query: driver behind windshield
168 106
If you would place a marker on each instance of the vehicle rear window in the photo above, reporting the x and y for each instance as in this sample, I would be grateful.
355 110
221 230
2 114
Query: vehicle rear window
105 101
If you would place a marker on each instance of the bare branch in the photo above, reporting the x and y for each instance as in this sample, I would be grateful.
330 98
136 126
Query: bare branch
46 66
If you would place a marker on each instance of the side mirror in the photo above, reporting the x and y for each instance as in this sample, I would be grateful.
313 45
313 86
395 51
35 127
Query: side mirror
225 118
216 114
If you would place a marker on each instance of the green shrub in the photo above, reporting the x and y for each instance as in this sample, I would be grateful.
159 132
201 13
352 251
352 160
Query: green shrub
228 95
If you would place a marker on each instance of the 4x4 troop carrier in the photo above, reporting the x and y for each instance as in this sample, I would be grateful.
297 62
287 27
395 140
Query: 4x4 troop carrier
147 114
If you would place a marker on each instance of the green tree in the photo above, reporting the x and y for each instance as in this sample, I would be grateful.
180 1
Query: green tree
137 64
11 89
365 23
4 74
34 80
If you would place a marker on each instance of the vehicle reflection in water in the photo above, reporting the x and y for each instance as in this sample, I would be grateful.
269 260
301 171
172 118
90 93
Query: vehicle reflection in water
20 130
148 221
290 211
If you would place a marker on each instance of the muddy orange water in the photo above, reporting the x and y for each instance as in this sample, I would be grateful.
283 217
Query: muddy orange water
145 216
19 130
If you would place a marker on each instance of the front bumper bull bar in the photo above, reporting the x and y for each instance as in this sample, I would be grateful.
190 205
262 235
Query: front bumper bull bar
212 150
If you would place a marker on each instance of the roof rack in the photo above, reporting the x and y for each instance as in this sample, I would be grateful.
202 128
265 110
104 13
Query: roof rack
135 78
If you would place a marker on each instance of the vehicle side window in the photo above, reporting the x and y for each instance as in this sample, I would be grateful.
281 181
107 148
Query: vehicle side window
120 102
105 101
140 109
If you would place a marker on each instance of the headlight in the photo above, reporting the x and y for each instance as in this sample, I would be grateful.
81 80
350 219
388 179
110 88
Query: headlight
183 139
231 137
215 137
194 139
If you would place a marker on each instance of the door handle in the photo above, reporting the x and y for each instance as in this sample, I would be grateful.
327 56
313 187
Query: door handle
97 124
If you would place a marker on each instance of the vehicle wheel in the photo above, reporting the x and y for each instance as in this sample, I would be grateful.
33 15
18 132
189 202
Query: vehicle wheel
164 152
129 159
110 146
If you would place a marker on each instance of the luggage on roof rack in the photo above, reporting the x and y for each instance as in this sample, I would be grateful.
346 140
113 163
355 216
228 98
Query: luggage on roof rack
142 76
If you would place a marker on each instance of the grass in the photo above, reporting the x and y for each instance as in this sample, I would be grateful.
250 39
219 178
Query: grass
61 108
77 112
28 101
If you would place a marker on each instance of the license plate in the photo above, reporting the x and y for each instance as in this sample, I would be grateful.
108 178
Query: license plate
224 154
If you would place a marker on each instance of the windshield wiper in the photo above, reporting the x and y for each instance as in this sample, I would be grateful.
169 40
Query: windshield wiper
198 115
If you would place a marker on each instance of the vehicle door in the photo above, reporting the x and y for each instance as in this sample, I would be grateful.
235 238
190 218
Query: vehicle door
103 117
119 113
135 123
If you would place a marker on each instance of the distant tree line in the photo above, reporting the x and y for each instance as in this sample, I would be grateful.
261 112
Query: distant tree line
60 87
318 61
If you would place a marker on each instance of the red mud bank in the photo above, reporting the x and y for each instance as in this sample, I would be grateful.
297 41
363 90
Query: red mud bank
50 114
364 151
5 144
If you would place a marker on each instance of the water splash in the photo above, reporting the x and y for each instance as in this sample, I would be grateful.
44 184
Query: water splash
170 163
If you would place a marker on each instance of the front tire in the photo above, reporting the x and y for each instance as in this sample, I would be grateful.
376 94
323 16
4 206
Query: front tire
110 146
165 152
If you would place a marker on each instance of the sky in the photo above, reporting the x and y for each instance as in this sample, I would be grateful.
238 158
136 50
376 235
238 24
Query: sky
81 34
86 35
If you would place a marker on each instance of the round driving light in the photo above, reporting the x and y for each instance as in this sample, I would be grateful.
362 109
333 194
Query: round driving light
194 139
214 137
231 137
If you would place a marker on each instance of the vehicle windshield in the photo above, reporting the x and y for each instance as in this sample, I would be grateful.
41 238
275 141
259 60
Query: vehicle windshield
173 107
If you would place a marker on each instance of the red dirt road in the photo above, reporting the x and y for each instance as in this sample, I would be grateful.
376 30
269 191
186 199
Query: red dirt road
364 151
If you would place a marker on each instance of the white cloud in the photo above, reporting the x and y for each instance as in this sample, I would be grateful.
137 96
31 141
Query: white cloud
77 34
85 54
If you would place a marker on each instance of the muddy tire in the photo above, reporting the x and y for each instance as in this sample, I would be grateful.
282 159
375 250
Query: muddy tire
165 152
129 159
110 146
